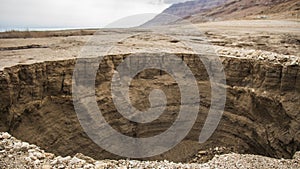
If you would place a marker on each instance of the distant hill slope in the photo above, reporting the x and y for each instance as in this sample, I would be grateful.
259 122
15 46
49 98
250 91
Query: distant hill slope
209 10
182 10
251 9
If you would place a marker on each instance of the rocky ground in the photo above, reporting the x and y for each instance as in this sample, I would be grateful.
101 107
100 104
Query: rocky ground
258 55
17 154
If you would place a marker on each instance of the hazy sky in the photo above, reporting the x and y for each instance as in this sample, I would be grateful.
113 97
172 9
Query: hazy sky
73 13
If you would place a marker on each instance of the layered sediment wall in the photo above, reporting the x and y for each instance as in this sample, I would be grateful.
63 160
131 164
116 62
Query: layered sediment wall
261 114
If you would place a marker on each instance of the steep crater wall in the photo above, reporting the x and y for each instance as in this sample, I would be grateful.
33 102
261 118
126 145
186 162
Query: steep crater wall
261 114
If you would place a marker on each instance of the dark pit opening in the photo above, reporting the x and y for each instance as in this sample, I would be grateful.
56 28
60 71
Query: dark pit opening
259 118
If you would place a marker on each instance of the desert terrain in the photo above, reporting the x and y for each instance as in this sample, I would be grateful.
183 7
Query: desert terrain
261 117
278 36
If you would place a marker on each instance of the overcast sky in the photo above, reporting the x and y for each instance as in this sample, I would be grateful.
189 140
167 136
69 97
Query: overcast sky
74 13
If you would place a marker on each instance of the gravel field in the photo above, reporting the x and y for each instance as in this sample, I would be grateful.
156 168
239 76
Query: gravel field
17 154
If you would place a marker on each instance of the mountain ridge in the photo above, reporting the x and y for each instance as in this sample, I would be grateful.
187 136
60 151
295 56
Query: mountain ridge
215 10
183 10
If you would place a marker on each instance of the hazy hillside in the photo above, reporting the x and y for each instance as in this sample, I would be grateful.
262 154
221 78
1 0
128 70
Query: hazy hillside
183 10
210 10
251 9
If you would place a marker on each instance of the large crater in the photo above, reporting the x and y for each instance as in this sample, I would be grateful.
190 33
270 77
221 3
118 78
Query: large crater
261 114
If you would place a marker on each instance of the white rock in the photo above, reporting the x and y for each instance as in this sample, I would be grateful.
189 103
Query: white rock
100 165
39 155
58 157
88 166
36 162
32 146
49 155
122 167
17 145
27 159
294 62
54 162
6 136
66 159
272 57
32 156
297 155
75 160
61 166
31 150
46 166
261 58
25 145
